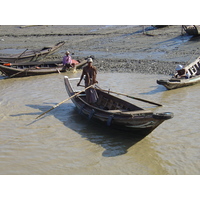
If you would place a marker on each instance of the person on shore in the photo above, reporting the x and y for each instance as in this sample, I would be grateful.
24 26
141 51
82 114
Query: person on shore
67 61
90 73
182 73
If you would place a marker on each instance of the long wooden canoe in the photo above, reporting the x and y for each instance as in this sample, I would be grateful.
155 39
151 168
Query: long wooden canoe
115 112
13 70
173 83
32 55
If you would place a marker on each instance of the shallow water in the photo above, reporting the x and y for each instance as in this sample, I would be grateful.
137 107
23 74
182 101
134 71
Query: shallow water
62 142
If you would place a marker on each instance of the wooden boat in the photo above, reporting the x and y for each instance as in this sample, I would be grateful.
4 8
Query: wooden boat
115 112
173 83
32 55
35 68
191 29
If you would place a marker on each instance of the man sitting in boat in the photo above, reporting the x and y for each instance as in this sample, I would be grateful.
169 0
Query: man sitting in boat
67 61
181 72
90 73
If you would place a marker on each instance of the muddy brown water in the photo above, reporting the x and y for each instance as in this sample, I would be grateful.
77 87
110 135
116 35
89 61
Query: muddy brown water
62 142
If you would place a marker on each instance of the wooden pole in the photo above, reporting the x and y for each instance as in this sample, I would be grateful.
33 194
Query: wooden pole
136 98
20 55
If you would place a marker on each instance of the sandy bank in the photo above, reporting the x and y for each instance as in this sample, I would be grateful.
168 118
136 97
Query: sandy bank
116 48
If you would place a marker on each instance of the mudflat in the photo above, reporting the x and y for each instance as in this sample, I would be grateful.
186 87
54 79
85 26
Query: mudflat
119 48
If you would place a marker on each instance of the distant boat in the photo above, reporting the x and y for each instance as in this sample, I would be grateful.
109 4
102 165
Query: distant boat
192 29
35 68
114 112
160 26
173 83
32 55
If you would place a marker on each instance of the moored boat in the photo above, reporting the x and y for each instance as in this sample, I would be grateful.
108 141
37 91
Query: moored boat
173 83
32 55
35 68
115 112
160 26
191 29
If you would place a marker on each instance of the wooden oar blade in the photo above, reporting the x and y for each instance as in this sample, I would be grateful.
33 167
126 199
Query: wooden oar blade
64 101
44 113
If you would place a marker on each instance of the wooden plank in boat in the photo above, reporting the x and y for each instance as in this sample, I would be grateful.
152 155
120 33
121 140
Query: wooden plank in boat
131 112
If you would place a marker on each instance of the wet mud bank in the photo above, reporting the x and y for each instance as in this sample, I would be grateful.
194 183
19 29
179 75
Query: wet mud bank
116 48
138 66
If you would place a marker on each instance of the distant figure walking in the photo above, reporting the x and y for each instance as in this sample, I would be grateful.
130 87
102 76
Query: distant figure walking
90 73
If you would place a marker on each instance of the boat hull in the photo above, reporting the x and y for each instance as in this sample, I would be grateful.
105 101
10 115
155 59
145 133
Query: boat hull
32 55
173 83
136 121
34 69
179 83
192 29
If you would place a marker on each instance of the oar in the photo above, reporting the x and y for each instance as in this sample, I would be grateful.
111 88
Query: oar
131 97
63 101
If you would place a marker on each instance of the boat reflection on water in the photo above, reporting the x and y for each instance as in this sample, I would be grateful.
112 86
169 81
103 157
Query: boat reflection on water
115 142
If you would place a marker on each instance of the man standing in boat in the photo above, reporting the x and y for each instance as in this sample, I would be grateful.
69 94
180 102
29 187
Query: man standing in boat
90 73
67 61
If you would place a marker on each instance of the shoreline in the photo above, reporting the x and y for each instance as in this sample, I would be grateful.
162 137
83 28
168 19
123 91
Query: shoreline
116 48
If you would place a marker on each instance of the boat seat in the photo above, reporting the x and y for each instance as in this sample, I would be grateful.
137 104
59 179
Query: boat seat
81 95
139 112
117 111
131 112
